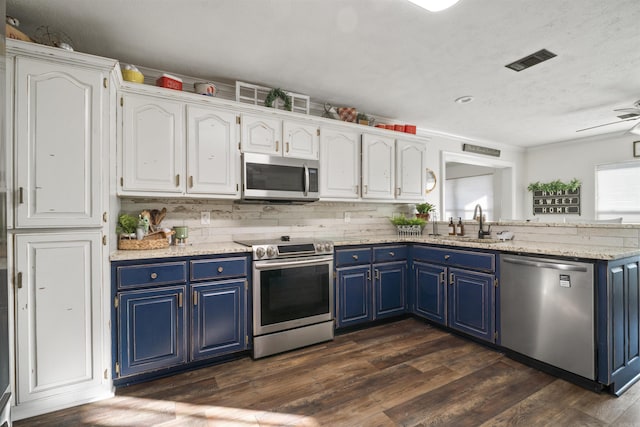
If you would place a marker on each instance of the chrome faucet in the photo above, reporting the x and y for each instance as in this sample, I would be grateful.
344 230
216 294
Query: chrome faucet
481 232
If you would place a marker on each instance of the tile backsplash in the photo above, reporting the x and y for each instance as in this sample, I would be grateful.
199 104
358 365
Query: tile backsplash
345 221
229 220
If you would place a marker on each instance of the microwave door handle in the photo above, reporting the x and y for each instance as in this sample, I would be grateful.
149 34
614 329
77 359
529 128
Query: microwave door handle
306 180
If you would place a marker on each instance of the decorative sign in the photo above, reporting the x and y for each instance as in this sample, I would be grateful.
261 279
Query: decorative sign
556 202
481 150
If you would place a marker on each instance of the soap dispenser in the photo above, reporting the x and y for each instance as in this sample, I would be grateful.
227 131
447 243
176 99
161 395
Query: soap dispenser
460 227
452 227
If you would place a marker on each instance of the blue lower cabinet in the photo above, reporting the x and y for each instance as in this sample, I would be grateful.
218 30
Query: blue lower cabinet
151 329
390 283
471 303
430 291
353 295
218 318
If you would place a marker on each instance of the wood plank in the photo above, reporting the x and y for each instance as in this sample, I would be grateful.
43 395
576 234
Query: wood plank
471 399
402 373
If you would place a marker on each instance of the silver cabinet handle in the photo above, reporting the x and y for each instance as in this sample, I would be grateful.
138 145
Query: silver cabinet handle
357 189
366 189
191 181
154 275
277 145
178 180
21 195
220 269
355 257
287 147
377 276
391 253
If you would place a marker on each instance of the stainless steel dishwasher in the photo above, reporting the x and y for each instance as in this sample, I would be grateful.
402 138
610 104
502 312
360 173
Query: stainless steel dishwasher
547 311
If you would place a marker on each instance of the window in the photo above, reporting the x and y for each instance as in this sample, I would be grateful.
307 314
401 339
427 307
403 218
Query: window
618 191
463 194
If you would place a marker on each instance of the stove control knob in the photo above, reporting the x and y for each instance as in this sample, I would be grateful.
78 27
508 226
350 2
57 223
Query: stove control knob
260 252
327 247
271 251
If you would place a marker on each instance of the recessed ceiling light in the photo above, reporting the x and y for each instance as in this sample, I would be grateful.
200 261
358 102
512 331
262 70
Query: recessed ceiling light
464 99
434 5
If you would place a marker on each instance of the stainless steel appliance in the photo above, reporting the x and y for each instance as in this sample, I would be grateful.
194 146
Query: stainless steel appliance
292 294
267 177
547 311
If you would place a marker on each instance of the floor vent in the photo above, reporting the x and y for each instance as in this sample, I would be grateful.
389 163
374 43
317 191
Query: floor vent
531 60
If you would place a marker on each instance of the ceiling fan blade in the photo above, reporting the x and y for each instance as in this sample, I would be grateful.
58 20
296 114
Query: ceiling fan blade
607 124
629 110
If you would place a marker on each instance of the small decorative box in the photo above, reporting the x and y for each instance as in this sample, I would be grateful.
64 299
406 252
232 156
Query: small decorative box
169 81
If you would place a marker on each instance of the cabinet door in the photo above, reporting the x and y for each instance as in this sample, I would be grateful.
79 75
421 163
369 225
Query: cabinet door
152 145
471 303
619 324
213 158
59 132
59 314
301 140
430 291
151 329
354 295
378 167
339 164
411 170
261 134
390 288
218 318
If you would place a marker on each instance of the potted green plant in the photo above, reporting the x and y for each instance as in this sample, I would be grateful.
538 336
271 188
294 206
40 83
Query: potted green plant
424 210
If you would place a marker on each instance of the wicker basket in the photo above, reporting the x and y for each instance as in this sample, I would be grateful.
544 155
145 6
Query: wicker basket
158 240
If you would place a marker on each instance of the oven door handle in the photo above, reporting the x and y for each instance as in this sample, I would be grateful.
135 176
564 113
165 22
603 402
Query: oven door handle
264 265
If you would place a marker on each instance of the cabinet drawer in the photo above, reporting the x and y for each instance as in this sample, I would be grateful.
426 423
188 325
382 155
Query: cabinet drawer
353 256
151 274
389 253
207 269
466 259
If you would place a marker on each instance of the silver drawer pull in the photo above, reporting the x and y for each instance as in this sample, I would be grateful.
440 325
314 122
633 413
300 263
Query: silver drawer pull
220 269
355 257
447 256
154 275
392 253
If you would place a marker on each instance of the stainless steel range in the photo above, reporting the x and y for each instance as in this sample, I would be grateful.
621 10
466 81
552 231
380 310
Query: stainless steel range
292 294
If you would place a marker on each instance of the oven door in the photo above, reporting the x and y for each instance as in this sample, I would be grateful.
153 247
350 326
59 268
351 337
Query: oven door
291 293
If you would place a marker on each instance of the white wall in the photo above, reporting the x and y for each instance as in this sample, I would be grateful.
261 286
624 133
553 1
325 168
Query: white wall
440 144
575 159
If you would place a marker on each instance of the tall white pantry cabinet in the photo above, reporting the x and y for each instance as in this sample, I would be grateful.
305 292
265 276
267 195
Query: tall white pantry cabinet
61 131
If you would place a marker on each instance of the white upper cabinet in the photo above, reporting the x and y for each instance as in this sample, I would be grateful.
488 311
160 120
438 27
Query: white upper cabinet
278 137
301 140
59 124
153 144
213 158
410 170
378 167
339 164
261 134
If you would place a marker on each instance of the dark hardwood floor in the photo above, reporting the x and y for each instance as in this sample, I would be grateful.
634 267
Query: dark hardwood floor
405 373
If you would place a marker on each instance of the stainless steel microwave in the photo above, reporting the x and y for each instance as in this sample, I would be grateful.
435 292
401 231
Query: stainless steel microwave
266 177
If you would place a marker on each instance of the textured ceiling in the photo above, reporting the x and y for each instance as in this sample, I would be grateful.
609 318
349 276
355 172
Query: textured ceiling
387 57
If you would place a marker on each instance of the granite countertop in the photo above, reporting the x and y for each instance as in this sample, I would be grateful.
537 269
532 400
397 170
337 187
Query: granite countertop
179 251
552 249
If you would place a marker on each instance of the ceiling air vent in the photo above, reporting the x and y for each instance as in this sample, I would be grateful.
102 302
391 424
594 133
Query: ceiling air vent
531 60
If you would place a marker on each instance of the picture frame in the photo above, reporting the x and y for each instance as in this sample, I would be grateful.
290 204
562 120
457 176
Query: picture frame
636 148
